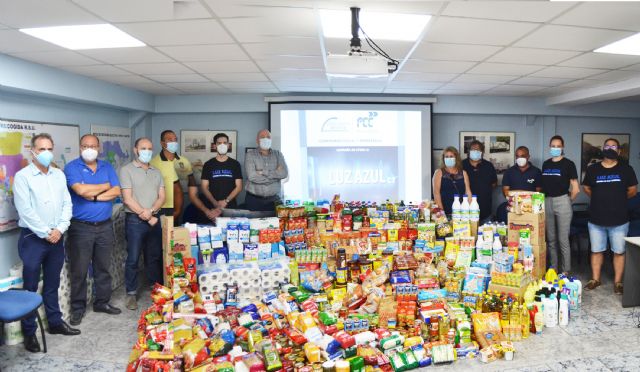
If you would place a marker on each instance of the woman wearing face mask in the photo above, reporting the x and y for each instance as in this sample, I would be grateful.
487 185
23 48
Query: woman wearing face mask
450 180
560 185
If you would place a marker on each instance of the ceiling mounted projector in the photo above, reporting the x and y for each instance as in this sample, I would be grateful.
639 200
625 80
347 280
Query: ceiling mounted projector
359 63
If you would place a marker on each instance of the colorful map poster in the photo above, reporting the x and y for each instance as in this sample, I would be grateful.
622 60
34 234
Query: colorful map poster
15 154
115 144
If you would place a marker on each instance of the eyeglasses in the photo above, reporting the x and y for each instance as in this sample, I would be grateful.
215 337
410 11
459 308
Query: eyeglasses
612 147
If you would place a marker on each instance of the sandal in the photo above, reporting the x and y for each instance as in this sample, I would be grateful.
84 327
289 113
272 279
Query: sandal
592 284
617 288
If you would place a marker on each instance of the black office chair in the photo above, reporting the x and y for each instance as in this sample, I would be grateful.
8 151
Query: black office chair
579 230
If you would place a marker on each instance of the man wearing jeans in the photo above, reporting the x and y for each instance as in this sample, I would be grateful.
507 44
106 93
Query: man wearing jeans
609 184
44 207
93 184
143 196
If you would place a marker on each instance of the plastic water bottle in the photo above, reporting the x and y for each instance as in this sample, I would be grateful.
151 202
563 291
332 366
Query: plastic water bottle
456 208
474 209
465 209
497 245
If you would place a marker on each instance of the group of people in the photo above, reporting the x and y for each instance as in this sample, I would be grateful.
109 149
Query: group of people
79 201
609 184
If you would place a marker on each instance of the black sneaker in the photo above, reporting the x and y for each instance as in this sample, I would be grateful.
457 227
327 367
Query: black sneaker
76 318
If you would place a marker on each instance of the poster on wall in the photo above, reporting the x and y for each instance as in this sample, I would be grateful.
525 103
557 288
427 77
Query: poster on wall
592 148
115 144
499 147
15 154
198 146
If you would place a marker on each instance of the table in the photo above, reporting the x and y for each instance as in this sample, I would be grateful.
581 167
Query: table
631 296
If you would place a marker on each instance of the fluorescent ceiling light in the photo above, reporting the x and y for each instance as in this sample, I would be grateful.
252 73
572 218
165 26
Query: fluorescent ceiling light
629 45
599 1
85 36
379 26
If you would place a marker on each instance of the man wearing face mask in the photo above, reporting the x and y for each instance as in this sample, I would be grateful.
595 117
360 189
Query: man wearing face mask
610 184
143 196
221 176
44 207
265 168
482 176
173 169
93 184
523 176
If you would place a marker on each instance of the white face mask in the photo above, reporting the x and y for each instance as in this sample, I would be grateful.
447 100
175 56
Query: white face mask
89 154
265 143
521 162
222 148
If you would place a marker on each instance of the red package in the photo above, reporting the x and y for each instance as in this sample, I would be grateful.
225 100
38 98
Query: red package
344 339
190 269
296 336
382 333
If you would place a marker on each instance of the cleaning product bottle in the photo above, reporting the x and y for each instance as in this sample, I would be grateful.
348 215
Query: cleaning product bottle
563 313
551 311
551 275
573 295
539 320
579 285
474 209
497 245
456 208
465 209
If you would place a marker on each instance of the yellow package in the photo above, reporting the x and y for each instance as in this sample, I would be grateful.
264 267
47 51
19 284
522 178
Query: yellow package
306 321
182 331
312 352
461 229
337 295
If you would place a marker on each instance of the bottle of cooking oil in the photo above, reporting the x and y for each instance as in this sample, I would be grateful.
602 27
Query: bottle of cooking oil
525 320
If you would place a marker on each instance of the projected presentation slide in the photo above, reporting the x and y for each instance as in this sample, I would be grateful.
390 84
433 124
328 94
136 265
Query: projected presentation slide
360 154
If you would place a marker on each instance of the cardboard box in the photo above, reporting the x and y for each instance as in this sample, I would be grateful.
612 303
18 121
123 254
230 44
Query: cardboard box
533 222
174 239
540 261
518 292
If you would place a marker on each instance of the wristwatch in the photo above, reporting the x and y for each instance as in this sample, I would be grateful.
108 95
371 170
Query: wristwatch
226 201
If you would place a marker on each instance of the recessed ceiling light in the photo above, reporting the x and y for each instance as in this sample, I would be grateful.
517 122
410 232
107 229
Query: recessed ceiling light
85 36
629 45
379 26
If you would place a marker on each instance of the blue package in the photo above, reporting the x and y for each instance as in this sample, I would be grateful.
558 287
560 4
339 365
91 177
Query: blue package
400 277
220 255
428 295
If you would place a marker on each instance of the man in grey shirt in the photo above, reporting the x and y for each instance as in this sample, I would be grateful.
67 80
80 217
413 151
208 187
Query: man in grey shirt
265 168
143 195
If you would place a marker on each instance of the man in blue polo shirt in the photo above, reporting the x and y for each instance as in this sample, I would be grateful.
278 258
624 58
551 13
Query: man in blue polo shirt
93 184
523 176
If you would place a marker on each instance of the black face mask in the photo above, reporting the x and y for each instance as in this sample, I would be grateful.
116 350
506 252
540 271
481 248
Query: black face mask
610 154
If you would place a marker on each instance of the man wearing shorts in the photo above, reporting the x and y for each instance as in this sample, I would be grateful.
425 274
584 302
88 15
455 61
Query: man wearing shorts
610 184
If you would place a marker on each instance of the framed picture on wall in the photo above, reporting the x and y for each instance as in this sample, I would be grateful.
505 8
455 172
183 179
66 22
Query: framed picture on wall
499 147
592 148
198 146
436 155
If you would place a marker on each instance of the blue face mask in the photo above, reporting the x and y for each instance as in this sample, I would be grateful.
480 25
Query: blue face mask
475 155
44 158
555 151
450 162
172 147
145 155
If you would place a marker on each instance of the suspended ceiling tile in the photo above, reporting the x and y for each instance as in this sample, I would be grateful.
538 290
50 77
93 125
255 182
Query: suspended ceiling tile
284 46
302 88
616 75
484 79
532 56
184 32
457 92
43 13
570 38
199 88
13 41
395 49
243 76
632 68
601 60
514 89
420 85
177 78
126 55
358 83
407 91
567 72
297 74
199 53
606 14
287 63
468 86
453 52
357 90
414 76
248 85
477 31
56 58
222 67
531 11
155 68
447 67
155 88
488 68
96 70
540 81
273 22
126 79
144 10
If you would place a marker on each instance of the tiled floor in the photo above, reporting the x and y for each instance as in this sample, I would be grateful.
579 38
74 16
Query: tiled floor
604 337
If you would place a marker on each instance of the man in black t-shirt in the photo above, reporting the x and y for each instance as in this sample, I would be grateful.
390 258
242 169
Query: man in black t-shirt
483 178
221 176
609 184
